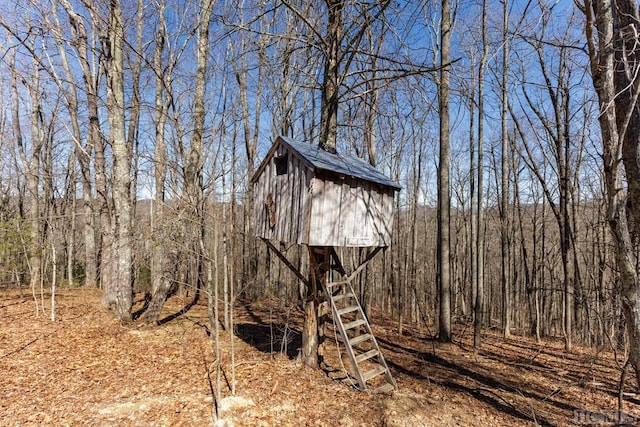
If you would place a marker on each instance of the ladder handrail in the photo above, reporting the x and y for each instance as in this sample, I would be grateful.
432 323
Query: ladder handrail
367 326
345 287
345 339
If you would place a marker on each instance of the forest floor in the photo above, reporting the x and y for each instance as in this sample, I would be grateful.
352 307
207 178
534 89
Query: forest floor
88 369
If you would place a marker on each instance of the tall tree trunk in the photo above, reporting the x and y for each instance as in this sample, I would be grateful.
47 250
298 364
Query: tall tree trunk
161 255
478 304
444 274
225 247
132 130
327 141
193 170
505 279
118 291
31 166
331 81
535 274
190 233
95 256
473 204
371 98
397 293
566 234
71 213
250 250
83 150
417 179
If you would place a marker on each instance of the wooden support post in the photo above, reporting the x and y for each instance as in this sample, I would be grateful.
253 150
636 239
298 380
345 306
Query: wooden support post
314 320
310 334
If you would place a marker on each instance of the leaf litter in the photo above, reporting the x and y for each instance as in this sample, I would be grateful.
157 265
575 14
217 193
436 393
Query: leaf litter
87 369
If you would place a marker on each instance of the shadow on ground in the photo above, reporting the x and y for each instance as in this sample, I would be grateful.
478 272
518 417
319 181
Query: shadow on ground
267 335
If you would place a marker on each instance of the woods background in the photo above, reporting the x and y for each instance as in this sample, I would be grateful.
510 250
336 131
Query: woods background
129 132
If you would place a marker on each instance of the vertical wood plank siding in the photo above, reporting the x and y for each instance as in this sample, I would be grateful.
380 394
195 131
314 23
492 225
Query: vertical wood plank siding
350 212
325 210
290 194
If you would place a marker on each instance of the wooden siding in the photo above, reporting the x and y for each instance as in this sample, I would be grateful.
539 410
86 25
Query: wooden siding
350 212
290 196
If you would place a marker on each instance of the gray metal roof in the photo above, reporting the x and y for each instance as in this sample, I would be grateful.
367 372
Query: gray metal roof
338 163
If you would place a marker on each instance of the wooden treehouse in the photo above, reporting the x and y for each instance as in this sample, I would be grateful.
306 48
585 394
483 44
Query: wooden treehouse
308 196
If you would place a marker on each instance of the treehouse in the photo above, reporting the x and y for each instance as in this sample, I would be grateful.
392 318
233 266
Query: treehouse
308 196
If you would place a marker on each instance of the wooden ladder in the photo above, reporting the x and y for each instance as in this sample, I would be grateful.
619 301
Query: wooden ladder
369 367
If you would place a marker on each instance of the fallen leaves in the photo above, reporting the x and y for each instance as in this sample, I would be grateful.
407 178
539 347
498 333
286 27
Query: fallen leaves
87 369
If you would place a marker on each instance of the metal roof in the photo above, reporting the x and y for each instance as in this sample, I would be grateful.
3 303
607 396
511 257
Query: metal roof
338 163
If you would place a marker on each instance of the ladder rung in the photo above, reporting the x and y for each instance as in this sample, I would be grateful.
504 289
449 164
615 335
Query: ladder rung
386 388
354 324
374 372
359 339
347 310
368 355
340 297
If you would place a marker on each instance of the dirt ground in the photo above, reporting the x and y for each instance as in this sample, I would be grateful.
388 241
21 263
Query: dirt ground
88 369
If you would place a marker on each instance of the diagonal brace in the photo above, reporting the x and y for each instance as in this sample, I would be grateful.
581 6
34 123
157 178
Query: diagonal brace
286 261
363 264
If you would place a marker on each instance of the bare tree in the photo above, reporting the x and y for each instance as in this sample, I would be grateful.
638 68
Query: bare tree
160 277
30 156
505 278
339 46
331 76
444 202
92 144
478 304
614 54
82 147
191 209
553 138
194 162
118 290
250 137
